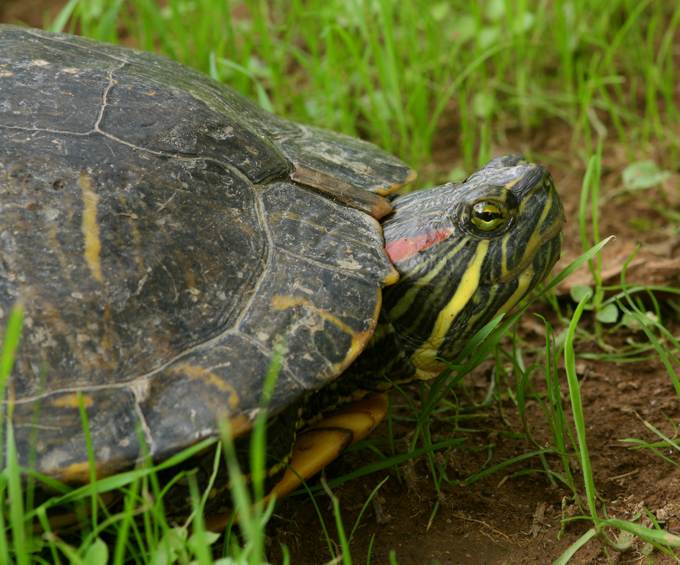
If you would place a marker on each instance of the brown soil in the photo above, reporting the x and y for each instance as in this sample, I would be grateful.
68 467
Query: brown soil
29 12
509 517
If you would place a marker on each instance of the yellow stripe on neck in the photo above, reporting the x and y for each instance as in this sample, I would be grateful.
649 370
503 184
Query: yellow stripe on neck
425 358
406 301
523 282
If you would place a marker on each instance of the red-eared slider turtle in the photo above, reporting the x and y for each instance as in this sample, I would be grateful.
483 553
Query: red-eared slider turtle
164 234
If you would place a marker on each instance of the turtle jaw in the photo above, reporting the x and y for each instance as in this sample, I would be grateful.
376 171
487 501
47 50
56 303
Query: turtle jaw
539 257
542 260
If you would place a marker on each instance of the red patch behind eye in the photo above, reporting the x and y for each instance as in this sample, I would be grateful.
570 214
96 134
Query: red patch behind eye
406 247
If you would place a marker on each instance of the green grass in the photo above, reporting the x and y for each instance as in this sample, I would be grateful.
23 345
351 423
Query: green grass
443 85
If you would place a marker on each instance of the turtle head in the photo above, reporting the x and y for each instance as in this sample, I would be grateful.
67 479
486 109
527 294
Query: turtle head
467 252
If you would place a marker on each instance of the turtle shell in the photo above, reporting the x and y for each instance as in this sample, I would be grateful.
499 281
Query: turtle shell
166 236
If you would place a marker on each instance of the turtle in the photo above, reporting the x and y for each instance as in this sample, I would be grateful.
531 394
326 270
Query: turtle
170 241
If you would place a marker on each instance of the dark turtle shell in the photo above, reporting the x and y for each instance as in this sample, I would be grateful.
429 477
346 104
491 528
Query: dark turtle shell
164 234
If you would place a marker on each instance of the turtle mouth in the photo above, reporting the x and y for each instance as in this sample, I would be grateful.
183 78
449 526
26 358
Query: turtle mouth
534 251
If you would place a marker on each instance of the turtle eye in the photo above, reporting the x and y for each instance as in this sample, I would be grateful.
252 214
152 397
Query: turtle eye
488 216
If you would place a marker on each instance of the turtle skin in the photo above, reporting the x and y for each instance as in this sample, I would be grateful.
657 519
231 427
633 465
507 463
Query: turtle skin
165 237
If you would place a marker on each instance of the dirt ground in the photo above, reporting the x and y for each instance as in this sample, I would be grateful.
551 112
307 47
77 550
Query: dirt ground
517 519
29 12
